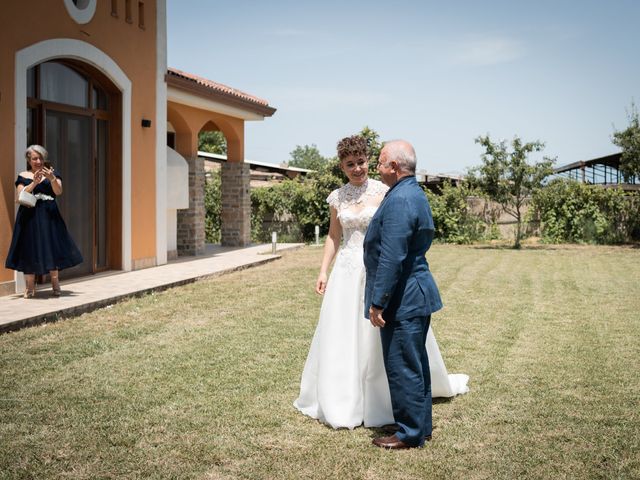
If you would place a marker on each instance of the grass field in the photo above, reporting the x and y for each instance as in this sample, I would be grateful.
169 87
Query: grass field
198 381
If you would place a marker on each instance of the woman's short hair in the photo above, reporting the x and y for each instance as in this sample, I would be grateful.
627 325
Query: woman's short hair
355 145
39 149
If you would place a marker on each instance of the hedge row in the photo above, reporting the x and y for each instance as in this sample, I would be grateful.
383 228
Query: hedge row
563 211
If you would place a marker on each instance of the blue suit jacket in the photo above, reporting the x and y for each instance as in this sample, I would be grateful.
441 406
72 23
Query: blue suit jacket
398 276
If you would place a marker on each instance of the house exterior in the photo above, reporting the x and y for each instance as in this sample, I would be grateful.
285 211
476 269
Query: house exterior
71 81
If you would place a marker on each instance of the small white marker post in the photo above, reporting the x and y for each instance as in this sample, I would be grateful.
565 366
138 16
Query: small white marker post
317 235
274 240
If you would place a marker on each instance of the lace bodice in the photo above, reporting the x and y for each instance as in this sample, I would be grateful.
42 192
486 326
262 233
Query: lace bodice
352 195
354 225
355 206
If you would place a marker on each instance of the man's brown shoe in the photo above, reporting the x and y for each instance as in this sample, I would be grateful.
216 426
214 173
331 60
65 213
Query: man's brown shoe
393 428
391 443
390 428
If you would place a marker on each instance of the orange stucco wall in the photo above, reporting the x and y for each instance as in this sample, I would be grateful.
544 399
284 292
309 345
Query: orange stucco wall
188 121
133 49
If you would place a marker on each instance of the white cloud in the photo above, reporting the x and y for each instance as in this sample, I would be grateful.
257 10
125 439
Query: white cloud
483 51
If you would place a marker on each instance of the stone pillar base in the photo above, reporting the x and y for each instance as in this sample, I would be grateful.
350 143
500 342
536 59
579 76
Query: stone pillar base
191 235
236 204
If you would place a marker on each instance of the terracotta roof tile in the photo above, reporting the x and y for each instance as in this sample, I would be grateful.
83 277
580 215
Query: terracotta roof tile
215 86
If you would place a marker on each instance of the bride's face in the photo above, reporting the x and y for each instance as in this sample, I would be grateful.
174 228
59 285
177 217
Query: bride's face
355 168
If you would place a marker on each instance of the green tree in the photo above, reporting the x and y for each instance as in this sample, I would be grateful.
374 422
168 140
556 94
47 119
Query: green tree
373 140
212 142
629 141
307 156
506 176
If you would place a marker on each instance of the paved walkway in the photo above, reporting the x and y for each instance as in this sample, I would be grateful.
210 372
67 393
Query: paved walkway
89 293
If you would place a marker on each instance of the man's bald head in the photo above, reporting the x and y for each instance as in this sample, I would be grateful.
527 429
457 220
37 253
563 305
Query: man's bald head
403 154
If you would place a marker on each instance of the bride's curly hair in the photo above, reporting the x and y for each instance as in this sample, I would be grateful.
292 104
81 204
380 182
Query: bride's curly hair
355 145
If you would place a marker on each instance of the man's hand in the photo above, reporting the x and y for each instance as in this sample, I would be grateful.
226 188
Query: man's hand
375 317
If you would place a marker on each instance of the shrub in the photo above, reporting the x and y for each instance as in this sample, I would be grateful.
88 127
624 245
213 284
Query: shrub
271 211
213 207
569 211
294 207
454 220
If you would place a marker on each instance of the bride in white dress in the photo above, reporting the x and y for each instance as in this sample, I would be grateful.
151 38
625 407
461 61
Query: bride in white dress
344 383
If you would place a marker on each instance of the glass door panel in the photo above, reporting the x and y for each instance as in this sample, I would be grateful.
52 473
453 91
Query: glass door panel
76 132
69 139
102 140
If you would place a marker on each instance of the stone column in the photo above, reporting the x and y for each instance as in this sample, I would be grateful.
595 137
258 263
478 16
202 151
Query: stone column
191 236
236 204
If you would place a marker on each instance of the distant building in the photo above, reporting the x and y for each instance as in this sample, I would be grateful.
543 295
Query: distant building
604 171
433 182
262 174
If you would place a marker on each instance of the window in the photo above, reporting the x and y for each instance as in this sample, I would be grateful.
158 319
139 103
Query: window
141 15
127 11
31 82
64 84
32 126
61 84
81 11
99 99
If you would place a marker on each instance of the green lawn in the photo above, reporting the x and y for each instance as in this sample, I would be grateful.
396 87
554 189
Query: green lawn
198 381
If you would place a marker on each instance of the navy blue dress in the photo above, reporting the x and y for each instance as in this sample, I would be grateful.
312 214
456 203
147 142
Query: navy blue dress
41 242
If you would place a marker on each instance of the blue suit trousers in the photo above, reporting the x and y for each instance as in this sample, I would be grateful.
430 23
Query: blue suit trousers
405 359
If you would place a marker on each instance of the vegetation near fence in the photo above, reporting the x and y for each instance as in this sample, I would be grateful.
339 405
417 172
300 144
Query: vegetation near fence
213 207
569 211
454 218
294 207
562 211
506 182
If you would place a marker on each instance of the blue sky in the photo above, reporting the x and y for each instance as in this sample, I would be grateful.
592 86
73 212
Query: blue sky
436 73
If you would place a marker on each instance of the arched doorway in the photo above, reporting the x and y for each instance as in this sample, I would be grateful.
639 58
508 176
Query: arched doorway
72 111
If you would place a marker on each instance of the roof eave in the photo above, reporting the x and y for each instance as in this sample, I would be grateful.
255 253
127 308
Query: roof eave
203 91
611 160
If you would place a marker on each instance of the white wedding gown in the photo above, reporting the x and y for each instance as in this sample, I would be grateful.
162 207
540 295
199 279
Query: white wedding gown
344 383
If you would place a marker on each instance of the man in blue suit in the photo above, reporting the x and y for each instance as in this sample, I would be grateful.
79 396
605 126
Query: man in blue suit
400 293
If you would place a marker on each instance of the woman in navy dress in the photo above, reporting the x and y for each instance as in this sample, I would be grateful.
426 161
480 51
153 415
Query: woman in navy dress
41 243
